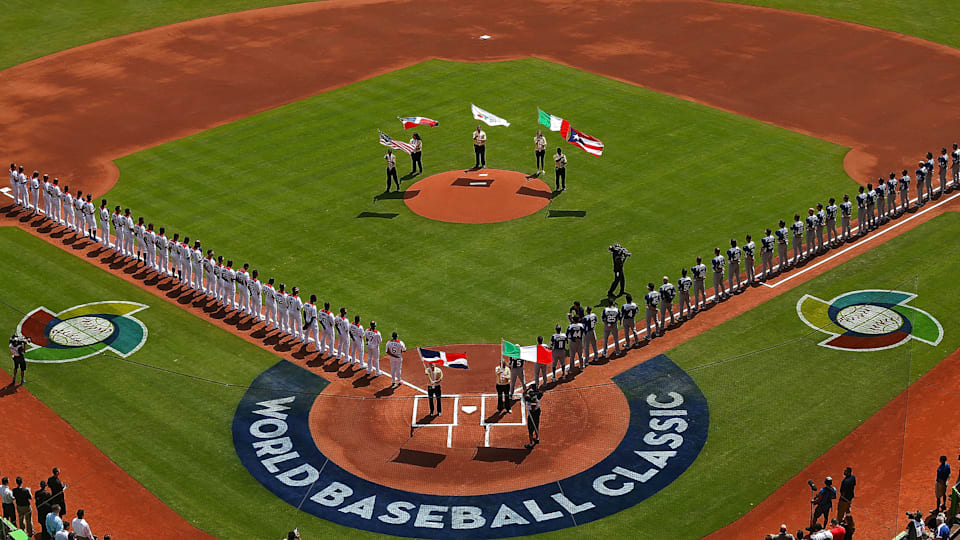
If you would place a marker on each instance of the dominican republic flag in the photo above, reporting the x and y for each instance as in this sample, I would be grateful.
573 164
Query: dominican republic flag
396 145
588 144
552 122
412 121
486 117
443 359
533 353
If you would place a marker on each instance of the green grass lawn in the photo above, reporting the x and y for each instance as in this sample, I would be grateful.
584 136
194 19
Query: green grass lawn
928 19
31 29
283 191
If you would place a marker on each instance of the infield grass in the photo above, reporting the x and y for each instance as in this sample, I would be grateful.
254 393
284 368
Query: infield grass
283 190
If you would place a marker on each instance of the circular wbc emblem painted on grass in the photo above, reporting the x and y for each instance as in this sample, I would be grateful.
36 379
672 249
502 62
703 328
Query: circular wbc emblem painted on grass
83 331
477 196
869 320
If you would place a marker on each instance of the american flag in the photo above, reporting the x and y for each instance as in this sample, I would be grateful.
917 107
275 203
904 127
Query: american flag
396 145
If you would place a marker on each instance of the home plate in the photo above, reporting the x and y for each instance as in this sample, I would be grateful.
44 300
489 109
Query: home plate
478 183
483 174
485 36
469 409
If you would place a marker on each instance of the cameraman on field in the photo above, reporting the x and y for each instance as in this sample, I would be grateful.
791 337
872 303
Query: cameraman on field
620 255
18 347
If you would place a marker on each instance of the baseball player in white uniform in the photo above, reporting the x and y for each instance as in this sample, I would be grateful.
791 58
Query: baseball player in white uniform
175 248
652 300
196 264
139 239
24 182
35 192
311 325
395 350
229 276
356 341
69 212
14 184
283 319
372 341
119 231
955 165
295 312
104 225
88 215
256 291
327 321
150 248
163 253
55 202
209 268
45 194
270 305
343 335
243 290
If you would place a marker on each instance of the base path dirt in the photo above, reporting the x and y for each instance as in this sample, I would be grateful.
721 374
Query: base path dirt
477 196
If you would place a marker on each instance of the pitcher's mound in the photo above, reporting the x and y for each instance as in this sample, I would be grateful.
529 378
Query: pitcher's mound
478 196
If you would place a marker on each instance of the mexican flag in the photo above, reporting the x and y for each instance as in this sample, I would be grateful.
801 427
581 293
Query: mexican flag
532 353
552 122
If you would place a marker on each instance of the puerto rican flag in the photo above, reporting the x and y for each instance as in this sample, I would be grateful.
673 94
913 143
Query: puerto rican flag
412 121
588 144
443 359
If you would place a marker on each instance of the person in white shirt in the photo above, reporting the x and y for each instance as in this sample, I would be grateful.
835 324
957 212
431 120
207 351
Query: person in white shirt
256 291
480 148
391 169
81 219
372 341
326 330
356 341
81 529
176 253
270 305
560 165
294 311
540 150
417 155
311 324
343 335
395 350
23 182
129 233
104 224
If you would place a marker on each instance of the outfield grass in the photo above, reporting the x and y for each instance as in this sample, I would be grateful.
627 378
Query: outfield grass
283 191
31 29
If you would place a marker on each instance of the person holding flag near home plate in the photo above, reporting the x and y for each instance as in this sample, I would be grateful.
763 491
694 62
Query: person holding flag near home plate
432 361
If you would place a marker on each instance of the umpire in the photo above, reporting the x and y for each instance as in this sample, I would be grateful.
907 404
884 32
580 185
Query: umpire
619 254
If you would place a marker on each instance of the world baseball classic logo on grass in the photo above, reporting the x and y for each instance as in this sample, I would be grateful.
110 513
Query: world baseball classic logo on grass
869 320
83 331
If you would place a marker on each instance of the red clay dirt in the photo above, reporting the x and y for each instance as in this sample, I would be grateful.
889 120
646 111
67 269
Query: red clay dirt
72 113
478 196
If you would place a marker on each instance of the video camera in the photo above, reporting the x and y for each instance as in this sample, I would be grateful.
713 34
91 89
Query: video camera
618 251
17 341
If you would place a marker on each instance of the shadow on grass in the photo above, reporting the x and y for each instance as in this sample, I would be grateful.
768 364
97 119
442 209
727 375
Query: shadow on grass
381 215
566 213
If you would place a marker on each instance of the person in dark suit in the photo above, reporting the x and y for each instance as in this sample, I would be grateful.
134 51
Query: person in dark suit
56 491
42 499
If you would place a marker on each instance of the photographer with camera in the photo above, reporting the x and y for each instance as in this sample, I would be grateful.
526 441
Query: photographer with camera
619 254
18 347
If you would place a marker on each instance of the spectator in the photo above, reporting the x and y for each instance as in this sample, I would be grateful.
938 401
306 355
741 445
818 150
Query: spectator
53 522
915 527
943 474
847 486
64 533
835 532
292 535
42 499
824 502
81 528
848 524
6 497
23 497
107 537
942 532
783 535
56 491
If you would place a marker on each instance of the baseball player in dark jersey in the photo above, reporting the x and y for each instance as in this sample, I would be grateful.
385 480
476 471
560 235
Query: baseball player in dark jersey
516 371
684 284
891 196
699 272
797 229
749 249
652 300
767 244
881 193
920 172
821 224
862 220
611 316
942 161
719 265
539 371
667 293
928 174
831 215
871 207
575 333
811 227
782 235
846 210
955 165
904 188
629 313
733 258
558 345
590 334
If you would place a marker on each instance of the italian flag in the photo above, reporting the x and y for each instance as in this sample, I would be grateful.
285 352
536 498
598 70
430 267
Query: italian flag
552 122
532 353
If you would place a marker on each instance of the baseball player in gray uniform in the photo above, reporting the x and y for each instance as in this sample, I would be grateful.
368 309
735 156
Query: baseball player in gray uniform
629 314
611 316
699 272
920 173
955 165
684 284
871 207
811 227
782 235
797 229
821 224
749 249
327 321
733 257
590 334
846 210
903 187
652 301
395 350
372 340
892 196
719 266
766 253
575 332
667 294
928 174
831 215
558 347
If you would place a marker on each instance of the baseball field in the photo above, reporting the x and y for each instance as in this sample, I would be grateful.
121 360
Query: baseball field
255 132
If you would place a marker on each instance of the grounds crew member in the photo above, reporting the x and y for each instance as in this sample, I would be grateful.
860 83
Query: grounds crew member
558 345
748 252
539 370
395 350
652 299
590 334
575 333
667 294
560 163
699 272
610 316
503 386
434 392
683 286
371 351
733 255
719 265
629 314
